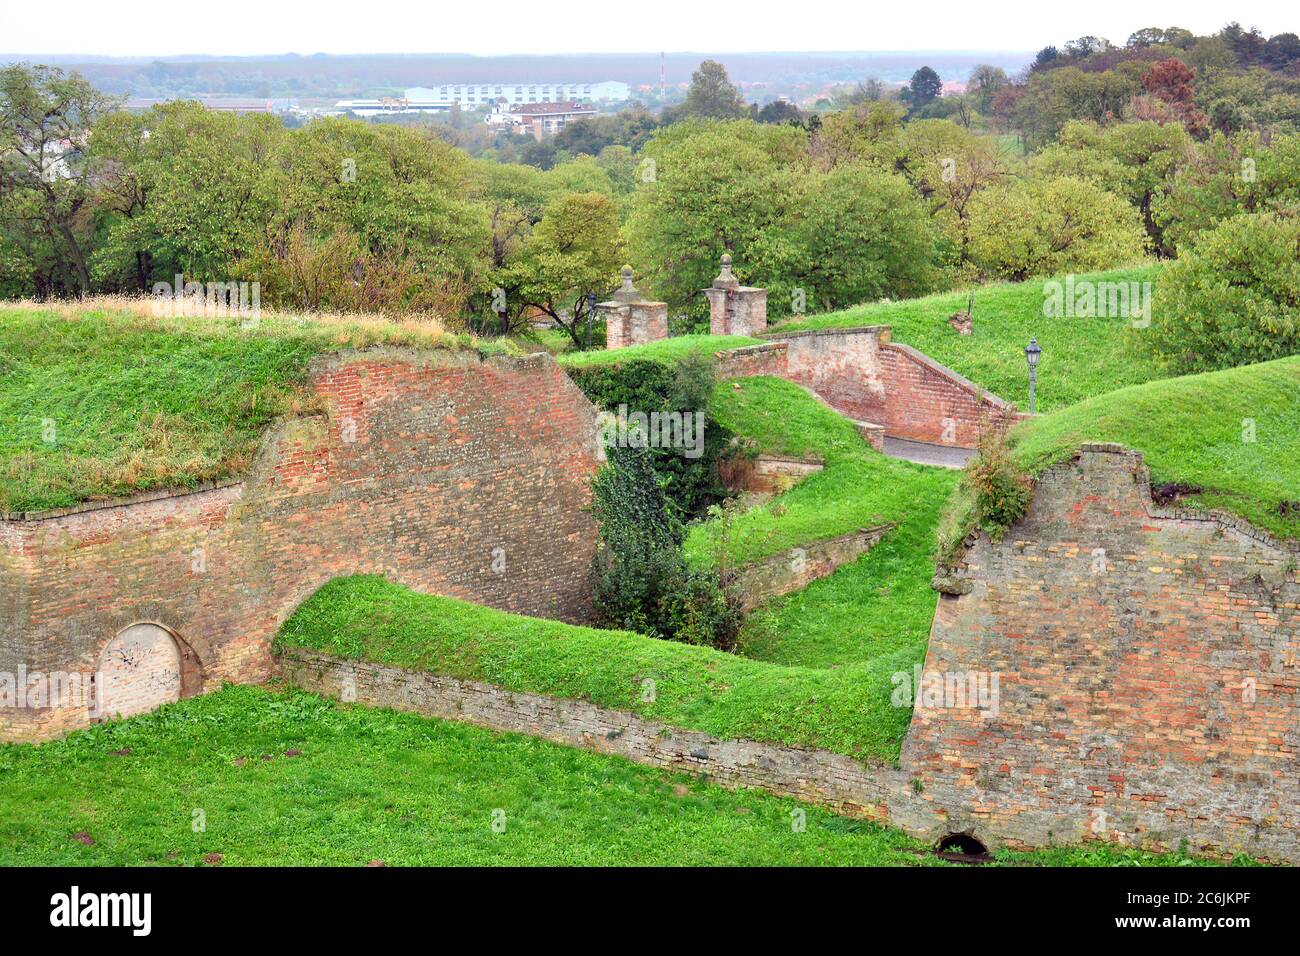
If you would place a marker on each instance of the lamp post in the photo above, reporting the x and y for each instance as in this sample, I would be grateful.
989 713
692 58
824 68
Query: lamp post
1032 355
591 313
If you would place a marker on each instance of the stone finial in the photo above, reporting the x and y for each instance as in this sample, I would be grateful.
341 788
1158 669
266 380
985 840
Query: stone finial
725 279
628 292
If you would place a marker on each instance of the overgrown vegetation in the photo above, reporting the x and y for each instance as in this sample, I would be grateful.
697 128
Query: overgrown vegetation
101 401
640 578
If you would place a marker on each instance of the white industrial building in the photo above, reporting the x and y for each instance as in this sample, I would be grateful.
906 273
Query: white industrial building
421 99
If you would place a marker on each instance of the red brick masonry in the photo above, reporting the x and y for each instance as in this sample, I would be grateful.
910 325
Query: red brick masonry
1148 670
449 473
862 374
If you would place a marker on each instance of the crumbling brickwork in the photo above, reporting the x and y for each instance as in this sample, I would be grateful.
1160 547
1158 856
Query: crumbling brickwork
1149 681
452 474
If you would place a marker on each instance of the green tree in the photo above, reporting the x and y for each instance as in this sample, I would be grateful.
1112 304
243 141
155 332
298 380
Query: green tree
573 251
855 234
712 95
1233 298
46 185
1043 226
924 86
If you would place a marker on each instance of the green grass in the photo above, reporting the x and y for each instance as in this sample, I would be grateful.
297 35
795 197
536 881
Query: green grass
1082 357
846 710
100 403
377 785
665 350
371 785
1193 429
880 604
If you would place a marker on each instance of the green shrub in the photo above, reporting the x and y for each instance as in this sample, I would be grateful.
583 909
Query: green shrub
1233 298
640 579
995 493
685 385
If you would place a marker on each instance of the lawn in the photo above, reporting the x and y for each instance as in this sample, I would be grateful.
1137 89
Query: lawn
286 779
255 776
100 402
1082 357
1234 433
878 605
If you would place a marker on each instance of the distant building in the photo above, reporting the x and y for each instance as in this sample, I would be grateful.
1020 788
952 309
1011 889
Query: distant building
437 99
537 119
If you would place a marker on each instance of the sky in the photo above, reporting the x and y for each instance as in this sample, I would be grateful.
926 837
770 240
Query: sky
251 27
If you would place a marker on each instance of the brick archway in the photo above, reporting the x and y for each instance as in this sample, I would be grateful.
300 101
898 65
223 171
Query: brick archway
142 667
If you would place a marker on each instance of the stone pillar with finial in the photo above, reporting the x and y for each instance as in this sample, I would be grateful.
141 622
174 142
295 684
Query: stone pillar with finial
630 319
735 309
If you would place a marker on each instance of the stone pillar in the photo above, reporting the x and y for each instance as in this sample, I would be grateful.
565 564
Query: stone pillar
735 309
631 319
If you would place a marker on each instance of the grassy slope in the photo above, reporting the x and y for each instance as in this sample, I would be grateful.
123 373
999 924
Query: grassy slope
1191 429
1081 357
666 350
881 603
139 403
376 785
846 710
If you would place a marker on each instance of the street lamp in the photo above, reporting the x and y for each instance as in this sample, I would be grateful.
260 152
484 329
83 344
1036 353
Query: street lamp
1032 355
591 312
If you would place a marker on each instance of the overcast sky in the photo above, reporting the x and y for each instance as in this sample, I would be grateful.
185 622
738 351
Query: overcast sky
242 27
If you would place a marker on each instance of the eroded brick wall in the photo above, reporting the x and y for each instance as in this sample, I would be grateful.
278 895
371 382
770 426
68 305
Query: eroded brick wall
450 474
1149 683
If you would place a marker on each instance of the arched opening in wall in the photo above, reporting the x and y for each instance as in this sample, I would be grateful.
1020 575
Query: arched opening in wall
962 848
140 669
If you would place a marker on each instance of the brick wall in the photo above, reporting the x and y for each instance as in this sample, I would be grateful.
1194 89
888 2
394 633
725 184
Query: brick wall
769 359
894 388
635 323
797 568
451 474
815 776
926 401
1149 681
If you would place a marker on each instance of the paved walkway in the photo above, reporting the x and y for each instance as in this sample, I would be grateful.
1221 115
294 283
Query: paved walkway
923 453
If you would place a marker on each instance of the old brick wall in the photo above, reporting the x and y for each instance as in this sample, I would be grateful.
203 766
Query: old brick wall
1149 683
815 776
449 473
768 359
843 366
929 402
893 389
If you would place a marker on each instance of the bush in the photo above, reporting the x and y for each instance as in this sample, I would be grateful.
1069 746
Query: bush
1044 226
1233 298
690 484
994 494
640 579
